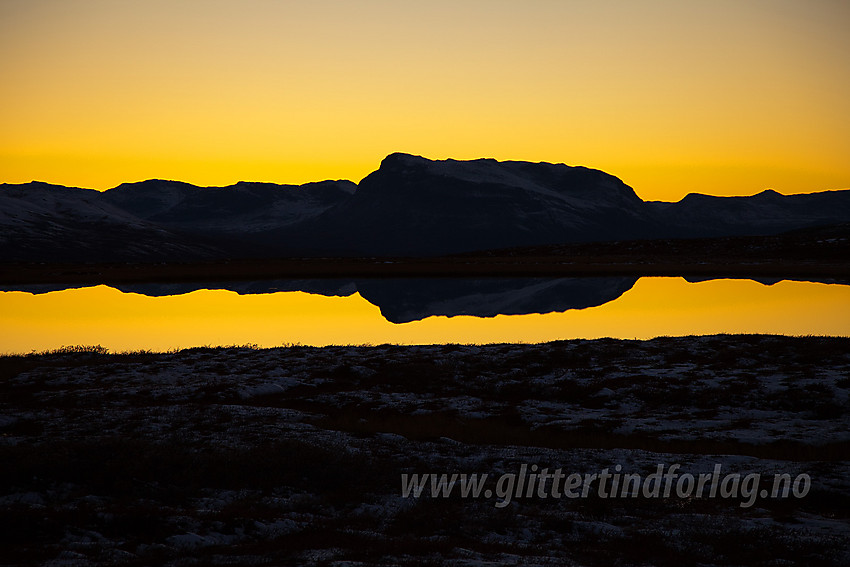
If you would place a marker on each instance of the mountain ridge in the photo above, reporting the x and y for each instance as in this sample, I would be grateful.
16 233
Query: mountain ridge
409 206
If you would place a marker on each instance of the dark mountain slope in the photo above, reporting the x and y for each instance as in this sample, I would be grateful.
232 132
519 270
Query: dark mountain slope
765 213
414 206
410 206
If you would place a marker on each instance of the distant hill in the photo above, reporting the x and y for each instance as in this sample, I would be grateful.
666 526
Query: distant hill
240 208
414 206
763 214
410 206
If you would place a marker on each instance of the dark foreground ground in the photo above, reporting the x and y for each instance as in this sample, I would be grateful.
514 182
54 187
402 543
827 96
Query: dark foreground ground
295 455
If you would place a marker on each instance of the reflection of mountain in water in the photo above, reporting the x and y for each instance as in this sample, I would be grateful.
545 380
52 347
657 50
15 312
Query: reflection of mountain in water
405 300
326 287
402 300
768 281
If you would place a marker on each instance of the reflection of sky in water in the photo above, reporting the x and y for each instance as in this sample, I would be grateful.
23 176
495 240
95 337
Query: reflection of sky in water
652 307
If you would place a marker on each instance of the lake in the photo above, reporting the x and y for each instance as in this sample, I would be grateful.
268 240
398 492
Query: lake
423 311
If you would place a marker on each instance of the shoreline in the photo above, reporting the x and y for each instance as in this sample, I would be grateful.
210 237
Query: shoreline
97 350
482 267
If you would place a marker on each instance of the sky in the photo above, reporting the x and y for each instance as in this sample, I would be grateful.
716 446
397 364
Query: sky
725 97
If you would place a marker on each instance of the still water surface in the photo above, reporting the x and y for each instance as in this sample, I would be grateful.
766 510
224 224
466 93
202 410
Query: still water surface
322 312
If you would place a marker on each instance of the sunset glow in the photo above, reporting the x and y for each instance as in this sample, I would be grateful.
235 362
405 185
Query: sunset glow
653 307
727 97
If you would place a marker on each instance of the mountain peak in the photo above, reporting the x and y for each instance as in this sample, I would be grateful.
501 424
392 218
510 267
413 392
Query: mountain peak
769 194
151 184
579 185
400 160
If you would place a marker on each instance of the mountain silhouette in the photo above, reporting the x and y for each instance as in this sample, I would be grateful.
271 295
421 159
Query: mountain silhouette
414 206
402 300
766 213
240 208
410 206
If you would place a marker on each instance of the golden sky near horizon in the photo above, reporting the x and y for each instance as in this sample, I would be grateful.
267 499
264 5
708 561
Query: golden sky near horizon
722 97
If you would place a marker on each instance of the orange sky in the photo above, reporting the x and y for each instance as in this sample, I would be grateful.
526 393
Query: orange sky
722 97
